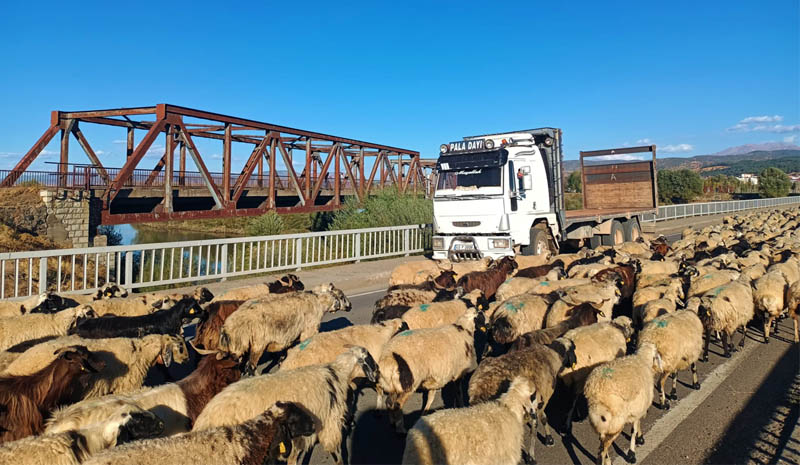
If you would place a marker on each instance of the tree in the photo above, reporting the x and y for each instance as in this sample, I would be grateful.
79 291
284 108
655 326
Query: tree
772 182
679 186
574 182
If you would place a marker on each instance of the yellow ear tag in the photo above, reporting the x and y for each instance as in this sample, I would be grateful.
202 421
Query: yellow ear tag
483 329
628 340
573 365
281 448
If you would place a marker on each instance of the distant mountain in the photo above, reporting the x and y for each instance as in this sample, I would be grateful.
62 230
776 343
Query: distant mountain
704 163
765 147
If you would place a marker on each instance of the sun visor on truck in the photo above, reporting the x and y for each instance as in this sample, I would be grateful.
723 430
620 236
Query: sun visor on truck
488 159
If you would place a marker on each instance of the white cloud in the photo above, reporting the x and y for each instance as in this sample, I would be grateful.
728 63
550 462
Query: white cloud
790 139
99 152
10 154
644 141
677 148
762 119
216 156
779 128
740 127
119 141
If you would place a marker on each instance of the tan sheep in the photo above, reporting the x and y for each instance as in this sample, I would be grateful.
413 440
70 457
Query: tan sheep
443 313
620 392
516 286
490 432
792 305
14 330
769 292
646 313
603 296
594 344
429 359
753 272
725 309
322 390
790 269
518 315
705 282
275 323
678 337
127 360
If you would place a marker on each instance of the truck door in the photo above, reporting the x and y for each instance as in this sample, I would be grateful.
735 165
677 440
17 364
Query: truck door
512 186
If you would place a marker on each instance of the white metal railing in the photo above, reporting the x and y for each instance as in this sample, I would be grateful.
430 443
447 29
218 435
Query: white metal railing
672 212
83 270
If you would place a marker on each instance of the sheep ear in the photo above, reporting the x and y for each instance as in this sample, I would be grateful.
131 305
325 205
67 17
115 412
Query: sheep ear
166 355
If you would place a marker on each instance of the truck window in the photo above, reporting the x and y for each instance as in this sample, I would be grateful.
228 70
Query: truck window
512 176
469 178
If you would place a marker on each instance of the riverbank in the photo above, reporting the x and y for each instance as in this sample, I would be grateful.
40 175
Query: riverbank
234 227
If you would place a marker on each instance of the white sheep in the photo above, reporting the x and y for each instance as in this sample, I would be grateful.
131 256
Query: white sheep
73 447
725 309
17 329
705 282
490 432
427 358
678 336
603 296
274 323
793 307
643 314
518 315
619 392
127 360
516 286
442 313
769 293
322 390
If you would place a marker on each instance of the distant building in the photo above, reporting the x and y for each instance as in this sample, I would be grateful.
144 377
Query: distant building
749 178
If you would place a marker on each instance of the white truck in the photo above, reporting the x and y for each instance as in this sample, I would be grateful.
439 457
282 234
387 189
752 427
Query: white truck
502 194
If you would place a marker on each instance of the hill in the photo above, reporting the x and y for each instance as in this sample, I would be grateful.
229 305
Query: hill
718 162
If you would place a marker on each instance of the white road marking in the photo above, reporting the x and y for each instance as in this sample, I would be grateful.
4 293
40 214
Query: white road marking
367 293
665 425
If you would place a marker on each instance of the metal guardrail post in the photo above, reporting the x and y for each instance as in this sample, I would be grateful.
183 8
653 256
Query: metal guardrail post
298 253
406 247
43 275
224 264
128 268
357 246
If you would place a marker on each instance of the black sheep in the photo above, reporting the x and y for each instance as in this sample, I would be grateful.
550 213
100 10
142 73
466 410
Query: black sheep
167 321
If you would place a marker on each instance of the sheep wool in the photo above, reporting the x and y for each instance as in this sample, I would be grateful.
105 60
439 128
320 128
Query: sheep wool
769 292
127 360
72 447
435 314
518 315
491 432
14 330
678 337
602 295
652 309
322 390
516 286
792 304
705 282
274 323
725 309
619 392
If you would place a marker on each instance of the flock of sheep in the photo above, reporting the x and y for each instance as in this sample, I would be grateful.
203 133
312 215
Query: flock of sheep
606 326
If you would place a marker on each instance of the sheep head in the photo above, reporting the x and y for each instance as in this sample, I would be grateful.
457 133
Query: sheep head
625 325
203 295
132 423
173 349
445 280
294 422
565 349
363 360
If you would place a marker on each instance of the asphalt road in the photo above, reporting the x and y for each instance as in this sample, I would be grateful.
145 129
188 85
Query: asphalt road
744 412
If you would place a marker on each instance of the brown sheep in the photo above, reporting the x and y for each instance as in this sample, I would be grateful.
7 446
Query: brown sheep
626 277
208 331
401 297
488 281
27 400
541 270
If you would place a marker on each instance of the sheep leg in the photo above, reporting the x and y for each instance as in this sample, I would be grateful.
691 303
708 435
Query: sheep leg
705 346
744 336
529 455
767 324
725 345
381 399
634 437
396 412
568 429
695 382
548 437
664 405
429 397
252 362
673 394
605 442
796 335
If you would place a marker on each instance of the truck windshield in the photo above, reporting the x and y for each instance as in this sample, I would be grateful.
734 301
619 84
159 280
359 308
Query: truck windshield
469 179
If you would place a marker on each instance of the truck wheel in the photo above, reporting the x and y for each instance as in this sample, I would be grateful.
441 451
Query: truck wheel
594 242
538 245
631 230
617 235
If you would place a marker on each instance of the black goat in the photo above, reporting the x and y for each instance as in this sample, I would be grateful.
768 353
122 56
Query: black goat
167 321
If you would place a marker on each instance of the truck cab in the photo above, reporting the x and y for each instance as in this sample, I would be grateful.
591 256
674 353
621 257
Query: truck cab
501 194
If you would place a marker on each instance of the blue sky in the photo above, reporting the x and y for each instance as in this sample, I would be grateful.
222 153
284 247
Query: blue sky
683 75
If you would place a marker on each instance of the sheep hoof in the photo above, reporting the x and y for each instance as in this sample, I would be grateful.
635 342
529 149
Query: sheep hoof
639 440
696 386
526 457
631 456
704 359
727 355
548 441
673 395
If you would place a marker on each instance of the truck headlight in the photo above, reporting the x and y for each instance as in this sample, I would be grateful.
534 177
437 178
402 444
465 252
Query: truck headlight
499 243
438 243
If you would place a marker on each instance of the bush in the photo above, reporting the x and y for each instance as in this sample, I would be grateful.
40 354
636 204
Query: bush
772 182
113 237
574 182
573 201
268 224
385 208
679 186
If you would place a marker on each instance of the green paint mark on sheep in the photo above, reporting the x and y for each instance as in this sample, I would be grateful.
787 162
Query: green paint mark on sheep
717 291
304 344
661 323
544 283
507 281
514 308
607 372
424 307
406 333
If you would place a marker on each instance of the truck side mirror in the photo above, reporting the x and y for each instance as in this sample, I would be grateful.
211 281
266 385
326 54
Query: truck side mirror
527 182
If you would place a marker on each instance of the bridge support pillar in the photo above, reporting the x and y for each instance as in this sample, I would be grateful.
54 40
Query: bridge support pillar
72 216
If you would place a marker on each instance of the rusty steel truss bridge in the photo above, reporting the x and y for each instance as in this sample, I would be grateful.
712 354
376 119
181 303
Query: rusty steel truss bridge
328 167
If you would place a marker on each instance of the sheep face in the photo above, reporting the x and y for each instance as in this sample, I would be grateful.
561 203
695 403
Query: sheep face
296 423
367 363
445 280
566 350
203 295
340 301
173 349
139 425
49 303
189 309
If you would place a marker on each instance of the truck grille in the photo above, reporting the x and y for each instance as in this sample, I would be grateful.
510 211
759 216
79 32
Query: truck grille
466 224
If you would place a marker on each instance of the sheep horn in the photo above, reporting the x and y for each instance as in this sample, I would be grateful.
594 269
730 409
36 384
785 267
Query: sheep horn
202 351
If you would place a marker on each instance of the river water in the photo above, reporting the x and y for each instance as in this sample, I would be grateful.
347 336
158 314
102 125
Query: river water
131 234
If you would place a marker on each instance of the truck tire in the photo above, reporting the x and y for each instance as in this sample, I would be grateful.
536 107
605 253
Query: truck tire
631 230
617 235
594 242
538 245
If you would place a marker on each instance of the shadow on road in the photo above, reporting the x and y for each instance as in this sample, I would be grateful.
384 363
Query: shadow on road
763 429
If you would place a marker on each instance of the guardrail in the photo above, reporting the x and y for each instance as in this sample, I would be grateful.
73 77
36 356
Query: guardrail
672 212
83 270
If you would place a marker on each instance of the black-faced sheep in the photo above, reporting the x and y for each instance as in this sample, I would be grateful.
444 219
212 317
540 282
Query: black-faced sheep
167 321
488 281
